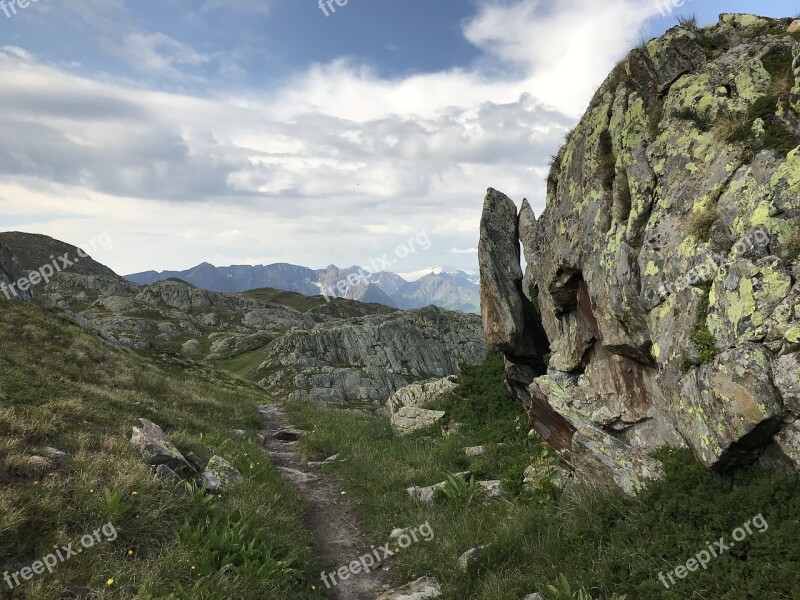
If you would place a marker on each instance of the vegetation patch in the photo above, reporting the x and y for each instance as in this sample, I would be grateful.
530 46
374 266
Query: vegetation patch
700 222
62 388
588 545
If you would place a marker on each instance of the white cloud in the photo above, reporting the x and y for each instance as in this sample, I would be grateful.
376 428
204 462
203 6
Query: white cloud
335 165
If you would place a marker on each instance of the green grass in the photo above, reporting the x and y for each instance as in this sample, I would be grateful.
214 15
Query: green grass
61 387
600 542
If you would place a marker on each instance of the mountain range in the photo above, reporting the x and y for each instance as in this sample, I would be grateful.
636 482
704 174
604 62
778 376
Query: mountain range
444 287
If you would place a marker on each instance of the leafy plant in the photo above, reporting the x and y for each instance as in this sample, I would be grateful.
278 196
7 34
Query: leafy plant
113 507
459 492
564 592
235 543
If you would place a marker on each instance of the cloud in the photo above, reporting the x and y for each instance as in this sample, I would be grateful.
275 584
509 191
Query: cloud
244 6
337 152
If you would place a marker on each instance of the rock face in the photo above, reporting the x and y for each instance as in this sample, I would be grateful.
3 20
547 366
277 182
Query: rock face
664 269
370 358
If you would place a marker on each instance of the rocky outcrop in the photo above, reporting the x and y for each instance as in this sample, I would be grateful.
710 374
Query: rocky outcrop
295 346
664 269
369 359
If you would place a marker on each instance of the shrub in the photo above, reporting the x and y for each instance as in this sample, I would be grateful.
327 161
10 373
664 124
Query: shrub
702 337
701 221
688 21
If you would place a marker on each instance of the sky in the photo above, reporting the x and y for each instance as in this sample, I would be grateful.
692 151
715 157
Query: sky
263 131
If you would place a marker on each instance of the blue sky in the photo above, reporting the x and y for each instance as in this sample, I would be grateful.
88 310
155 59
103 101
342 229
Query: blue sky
264 131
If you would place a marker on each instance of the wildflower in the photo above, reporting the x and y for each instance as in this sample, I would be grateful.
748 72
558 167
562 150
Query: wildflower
110 582
130 552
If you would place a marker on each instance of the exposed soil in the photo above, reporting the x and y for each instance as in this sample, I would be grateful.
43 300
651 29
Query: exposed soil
330 517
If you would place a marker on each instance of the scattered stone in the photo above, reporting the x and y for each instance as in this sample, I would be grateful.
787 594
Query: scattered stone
261 438
167 475
196 462
156 448
333 458
428 493
533 597
475 451
421 589
220 474
795 26
290 434
468 561
190 347
239 433
454 428
493 489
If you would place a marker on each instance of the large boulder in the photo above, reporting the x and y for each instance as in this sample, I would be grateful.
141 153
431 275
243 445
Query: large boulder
406 407
664 269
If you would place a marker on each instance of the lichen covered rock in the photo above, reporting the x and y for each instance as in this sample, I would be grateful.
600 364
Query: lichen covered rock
664 269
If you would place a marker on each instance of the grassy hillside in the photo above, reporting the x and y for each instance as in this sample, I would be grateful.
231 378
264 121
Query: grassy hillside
62 388
603 542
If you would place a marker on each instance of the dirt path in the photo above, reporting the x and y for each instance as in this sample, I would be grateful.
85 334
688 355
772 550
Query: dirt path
329 516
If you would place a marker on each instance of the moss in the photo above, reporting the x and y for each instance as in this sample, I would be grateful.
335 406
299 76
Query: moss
533 290
701 337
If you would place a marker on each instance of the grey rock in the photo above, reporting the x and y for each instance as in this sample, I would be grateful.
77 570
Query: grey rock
157 449
475 451
469 561
220 474
421 589
190 346
167 475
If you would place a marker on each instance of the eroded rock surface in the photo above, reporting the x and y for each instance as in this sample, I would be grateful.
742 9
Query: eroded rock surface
664 269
